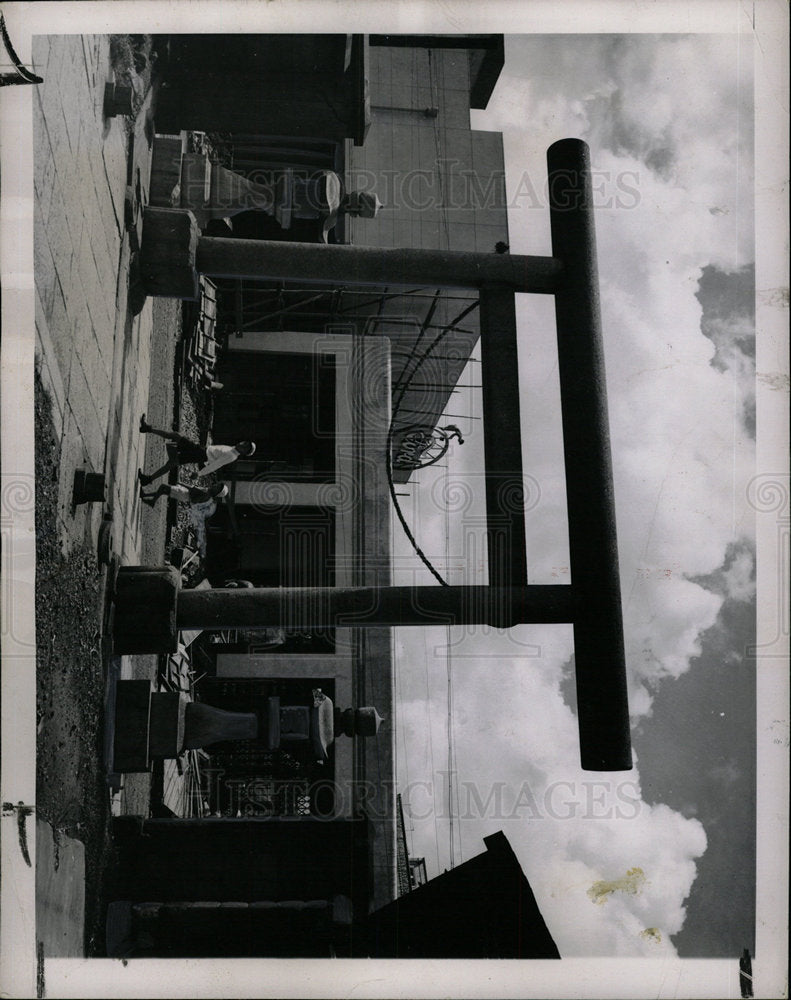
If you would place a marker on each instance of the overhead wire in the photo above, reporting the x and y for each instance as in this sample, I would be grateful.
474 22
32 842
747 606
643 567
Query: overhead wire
399 396
403 383
449 673
430 740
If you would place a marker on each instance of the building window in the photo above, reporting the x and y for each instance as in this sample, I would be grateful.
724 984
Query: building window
292 547
285 403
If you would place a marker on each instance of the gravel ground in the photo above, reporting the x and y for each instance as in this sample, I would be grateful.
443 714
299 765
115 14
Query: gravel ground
161 411
71 792
193 419
187 412
155 525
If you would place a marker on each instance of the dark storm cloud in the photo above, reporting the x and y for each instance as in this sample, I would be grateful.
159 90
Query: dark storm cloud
728 302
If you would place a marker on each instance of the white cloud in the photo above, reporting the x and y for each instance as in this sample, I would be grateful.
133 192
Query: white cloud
516 753
660 115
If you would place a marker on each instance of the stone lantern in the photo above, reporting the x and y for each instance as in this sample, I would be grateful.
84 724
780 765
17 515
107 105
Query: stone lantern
153 725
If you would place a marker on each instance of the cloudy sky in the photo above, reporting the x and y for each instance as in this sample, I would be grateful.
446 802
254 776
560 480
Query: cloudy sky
658 860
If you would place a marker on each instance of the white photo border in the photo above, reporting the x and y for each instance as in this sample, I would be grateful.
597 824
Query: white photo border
764 24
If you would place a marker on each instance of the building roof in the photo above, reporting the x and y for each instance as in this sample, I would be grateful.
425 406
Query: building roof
486 55
483 908
486 63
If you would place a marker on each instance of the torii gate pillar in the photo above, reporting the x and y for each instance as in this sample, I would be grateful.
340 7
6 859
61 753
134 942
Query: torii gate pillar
592 601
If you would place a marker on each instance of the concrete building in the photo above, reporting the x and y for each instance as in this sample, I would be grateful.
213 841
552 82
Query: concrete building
313 387
310 373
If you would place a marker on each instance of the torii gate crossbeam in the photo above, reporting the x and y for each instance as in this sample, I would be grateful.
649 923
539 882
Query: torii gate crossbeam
591 602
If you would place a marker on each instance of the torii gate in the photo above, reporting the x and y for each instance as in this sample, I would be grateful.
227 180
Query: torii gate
149 609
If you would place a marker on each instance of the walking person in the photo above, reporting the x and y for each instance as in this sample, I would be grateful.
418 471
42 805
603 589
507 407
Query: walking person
185 494
183 451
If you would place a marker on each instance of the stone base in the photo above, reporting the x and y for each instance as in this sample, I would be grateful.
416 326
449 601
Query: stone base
167 254
195 181
149 725
164 185
132 713
145 610
118 100
205 725
89 487
166 730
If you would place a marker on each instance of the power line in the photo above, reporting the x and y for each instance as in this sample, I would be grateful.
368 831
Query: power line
438 146
389 443
449 674
442 357
430 740
403 736
458 416
454 825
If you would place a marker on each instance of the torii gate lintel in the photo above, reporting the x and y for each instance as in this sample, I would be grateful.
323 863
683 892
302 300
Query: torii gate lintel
172 251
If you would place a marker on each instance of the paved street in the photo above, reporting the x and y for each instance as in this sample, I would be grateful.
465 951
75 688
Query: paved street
95 360
101 368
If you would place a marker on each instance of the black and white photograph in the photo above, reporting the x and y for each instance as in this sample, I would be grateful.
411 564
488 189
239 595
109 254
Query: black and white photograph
395 499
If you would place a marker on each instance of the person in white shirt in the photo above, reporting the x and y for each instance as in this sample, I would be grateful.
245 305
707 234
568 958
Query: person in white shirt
185 494
182 451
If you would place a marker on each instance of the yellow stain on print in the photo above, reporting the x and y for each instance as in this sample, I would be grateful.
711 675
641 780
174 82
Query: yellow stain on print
652 934
632 883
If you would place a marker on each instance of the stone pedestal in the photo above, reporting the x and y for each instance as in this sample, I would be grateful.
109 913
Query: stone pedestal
154 725
205 725
167 254
145 610
132 717
166 729
164 186
364 721
196 181
89 487
118 100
